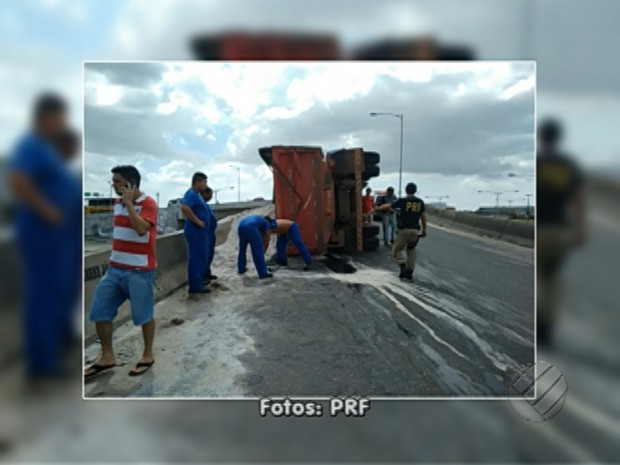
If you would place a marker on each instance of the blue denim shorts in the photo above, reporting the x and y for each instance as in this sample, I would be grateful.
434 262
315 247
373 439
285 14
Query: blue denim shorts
118 285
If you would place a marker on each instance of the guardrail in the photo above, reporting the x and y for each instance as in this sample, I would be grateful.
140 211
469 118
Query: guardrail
170 275
514 231
100 224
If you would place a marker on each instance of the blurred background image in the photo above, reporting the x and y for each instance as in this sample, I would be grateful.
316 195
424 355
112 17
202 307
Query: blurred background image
43 44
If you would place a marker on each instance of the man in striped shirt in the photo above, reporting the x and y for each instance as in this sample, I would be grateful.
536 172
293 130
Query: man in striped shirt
131 272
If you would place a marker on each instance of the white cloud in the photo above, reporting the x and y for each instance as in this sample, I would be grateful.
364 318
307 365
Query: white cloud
522 86
28 70
311 104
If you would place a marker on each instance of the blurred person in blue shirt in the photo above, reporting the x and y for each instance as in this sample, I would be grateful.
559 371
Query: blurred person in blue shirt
47 224
68 147
207 195
196 230
560 212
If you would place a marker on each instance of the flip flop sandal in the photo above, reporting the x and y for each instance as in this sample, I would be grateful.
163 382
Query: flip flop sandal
98 369
139 365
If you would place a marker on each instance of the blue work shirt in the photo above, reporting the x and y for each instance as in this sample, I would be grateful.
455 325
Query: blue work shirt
212 219
193 200
37 158
254 221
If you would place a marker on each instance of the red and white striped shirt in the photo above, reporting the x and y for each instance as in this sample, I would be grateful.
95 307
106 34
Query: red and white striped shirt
130 250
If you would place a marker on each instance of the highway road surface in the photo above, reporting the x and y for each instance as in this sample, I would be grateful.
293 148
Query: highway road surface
587 430
464 327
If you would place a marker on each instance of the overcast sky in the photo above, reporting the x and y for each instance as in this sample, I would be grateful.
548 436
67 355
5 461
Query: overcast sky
466 125
44 42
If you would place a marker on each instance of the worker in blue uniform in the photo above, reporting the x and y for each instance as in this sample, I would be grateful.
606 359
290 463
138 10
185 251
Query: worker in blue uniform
48 202
207 195
196 229
254 231
288 231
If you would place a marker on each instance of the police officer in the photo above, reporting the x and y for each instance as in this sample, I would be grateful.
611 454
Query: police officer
412 212
560 213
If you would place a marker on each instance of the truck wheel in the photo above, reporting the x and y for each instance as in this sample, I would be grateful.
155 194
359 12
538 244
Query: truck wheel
370 244
369 231
370 172
371 158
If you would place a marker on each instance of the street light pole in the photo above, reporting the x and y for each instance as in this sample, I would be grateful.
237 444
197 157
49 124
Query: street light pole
400 169
215 191
497 194
238 182
401 117
528 202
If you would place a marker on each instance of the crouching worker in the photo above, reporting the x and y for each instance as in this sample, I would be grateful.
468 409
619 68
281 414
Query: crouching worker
288 231
412 211
254 231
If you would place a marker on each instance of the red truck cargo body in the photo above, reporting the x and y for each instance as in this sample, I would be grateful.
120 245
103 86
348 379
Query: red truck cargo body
234 46
303 192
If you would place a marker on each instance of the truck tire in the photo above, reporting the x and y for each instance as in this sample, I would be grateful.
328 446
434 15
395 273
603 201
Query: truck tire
371 158
369 231
370 244
370 172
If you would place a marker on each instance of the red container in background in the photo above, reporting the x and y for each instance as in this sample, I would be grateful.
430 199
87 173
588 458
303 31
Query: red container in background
303 191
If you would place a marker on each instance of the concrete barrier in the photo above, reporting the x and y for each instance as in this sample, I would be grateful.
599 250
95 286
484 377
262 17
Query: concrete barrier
447 217
171 274
100 224
519 232
10 272
466 220
10 296
492 227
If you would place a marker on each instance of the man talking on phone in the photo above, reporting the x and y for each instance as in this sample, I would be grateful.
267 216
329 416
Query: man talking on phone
131 272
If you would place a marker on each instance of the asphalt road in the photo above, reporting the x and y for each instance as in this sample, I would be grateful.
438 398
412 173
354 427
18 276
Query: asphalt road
57 427
464 327
587 429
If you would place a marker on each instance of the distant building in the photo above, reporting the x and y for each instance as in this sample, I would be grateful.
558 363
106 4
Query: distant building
438 205
513 211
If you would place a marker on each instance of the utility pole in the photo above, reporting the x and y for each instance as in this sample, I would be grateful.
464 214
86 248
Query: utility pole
238 181
401 117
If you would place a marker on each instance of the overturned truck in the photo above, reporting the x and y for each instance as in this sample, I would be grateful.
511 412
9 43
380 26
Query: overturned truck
322 193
